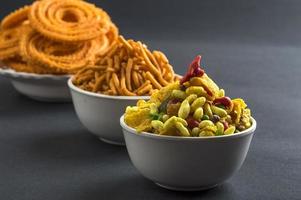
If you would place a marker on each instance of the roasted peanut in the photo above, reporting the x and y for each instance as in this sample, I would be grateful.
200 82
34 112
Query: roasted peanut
220 128
157 124
199 102
191 98
205 123
198 90
198 114
230 130
195 132
219 111
184 109
182 129
179 94
207 110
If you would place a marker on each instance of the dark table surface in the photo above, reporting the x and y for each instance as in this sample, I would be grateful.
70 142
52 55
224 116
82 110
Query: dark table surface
45 153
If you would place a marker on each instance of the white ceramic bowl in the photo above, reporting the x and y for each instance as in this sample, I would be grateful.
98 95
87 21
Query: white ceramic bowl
100 113
49 88
187 163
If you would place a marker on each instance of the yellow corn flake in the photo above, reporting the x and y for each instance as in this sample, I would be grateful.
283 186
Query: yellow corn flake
206 82
140 119
238 106
241 102
164 93
246 118
143 104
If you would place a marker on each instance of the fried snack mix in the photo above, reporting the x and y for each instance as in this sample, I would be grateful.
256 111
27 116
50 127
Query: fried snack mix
193 107
55 36
128 69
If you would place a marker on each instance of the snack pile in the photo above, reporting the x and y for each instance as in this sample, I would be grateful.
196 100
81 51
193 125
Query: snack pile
128 69
193 107
55 37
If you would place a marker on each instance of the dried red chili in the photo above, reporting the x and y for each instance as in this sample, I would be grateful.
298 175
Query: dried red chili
194 70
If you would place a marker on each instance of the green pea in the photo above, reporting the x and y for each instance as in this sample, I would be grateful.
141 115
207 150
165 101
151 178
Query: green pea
205 117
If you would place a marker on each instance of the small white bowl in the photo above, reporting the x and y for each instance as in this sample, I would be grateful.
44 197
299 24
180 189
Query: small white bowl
41 87
187 163
100 113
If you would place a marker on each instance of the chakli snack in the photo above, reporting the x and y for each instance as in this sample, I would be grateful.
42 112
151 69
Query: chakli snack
9 42
193 107
128 69
16 18
68 20
55 37
56 56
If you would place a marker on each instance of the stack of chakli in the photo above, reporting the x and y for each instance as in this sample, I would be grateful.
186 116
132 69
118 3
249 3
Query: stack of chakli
55 37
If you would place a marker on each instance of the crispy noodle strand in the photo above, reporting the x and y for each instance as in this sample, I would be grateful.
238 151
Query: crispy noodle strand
128 69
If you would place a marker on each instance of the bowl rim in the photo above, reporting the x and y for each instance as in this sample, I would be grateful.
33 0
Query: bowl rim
167 137
10 73
92 94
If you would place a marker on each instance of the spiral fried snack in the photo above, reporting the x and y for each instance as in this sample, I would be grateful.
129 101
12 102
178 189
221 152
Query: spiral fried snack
18 65
55 36
128 69
12 27
68 20
16 18
9 42
56 56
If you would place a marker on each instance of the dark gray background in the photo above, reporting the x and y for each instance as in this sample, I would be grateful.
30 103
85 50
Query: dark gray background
251 48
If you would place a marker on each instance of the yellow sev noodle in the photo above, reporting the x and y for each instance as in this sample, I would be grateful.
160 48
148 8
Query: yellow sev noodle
128 69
